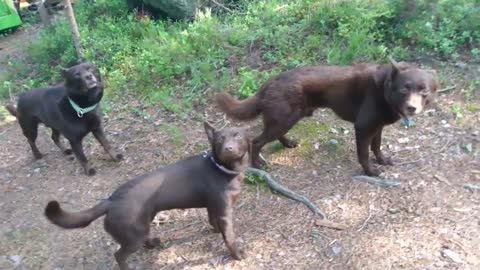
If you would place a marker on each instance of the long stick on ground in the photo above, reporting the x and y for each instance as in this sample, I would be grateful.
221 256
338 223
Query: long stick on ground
74 29
275 186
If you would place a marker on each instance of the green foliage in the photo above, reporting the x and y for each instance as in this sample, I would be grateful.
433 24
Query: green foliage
174 63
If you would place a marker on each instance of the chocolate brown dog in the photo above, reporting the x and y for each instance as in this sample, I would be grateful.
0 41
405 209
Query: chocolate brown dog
370 96
70 109
211 180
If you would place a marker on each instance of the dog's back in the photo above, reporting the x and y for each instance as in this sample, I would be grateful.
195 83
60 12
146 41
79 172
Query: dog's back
341 88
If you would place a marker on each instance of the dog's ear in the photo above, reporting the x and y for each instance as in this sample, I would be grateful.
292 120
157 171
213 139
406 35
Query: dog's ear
210 130
395 67
380 75
64 71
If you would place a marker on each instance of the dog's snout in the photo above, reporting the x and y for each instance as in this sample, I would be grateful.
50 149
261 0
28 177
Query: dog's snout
89 77
229 148
411 109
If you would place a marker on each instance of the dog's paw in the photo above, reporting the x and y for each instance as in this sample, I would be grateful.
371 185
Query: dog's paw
288 143
372 171
152 243
91 172
239 254
383 160
68 152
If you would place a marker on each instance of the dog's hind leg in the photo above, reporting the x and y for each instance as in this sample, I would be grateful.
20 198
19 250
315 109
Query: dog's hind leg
77 149
275 127
30 129
56 140
375 146
100 136
126 250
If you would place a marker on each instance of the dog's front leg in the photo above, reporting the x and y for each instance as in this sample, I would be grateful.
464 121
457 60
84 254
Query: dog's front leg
375 146
363 139
77 149
225 222
100 136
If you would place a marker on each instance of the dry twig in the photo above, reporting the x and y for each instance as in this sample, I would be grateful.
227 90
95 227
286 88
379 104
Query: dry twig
377 181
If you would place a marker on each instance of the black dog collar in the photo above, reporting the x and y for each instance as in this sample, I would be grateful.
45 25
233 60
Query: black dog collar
222 168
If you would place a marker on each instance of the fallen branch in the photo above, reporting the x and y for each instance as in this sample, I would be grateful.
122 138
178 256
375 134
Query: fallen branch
471 187
446 89
275 186
377 181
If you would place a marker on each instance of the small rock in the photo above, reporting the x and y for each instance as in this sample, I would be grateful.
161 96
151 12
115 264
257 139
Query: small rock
333 141
334 131
36 170
461 64
281 253
259 256
393 210
468 147
317 146
335 250
403 140
452 255
16 260
443 122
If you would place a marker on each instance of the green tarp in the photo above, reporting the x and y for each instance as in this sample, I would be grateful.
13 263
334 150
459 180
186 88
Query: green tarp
8 15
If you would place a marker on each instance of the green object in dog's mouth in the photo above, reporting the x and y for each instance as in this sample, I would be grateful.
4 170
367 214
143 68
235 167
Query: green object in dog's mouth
408 122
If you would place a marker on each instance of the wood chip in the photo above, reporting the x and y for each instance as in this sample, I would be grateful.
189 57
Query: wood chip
442 179
330 224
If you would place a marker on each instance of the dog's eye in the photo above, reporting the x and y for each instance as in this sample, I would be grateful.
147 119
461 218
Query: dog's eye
77 74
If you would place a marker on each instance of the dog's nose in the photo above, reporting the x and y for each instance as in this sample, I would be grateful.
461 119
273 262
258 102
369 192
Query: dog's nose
229 148
411 109
88 77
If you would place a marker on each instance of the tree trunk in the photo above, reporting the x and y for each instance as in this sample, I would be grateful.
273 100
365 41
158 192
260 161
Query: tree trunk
74 28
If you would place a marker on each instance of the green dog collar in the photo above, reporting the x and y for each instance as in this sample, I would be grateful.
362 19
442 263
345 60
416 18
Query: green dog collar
81 111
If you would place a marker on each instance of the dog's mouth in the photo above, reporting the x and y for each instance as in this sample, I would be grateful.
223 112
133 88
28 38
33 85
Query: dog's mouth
91 85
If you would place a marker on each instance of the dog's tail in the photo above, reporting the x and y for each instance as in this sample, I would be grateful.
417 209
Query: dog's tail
74 220
239 109
12 110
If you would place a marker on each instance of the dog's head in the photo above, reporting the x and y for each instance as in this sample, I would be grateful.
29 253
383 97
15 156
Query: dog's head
231 146
409 89
83 79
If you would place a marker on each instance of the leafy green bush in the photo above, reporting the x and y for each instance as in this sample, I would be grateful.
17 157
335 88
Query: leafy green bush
173 63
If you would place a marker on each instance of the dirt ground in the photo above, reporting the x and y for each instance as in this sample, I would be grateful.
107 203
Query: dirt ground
430 222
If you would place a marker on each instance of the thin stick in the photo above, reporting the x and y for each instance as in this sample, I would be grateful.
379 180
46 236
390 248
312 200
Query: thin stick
377 181
222 6
366 220
446 89
275 186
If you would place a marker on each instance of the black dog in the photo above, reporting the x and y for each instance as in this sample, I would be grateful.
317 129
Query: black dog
370 96
211 180
70 109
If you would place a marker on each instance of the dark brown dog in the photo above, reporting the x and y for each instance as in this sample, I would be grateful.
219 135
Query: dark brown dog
210 180
370 96
55 108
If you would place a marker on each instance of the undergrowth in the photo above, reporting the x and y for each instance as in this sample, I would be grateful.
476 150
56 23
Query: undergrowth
171 63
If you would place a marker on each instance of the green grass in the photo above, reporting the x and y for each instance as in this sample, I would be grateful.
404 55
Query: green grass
172 64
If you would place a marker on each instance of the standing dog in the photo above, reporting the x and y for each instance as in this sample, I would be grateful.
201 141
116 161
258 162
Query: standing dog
370 96
211 180
70 110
